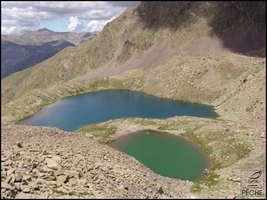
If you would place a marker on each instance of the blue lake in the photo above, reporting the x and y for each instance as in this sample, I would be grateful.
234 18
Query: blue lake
75 112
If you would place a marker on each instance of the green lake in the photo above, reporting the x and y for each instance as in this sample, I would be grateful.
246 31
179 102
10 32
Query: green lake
163 153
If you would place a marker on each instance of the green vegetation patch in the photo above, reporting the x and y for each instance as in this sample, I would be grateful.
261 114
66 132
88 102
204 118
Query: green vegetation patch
98 130
197 139
92 128
210 177
210 180
146 122
224 149
229 148
167 127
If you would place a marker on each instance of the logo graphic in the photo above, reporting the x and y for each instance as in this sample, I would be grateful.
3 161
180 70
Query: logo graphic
253 184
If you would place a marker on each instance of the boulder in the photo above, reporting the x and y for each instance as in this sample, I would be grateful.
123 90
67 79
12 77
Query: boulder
63 179
52 163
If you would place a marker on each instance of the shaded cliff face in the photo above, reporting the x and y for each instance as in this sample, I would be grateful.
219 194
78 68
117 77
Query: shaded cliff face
167 14
241 26
15 57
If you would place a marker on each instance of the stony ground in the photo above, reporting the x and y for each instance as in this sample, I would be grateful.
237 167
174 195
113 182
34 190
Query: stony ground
40 162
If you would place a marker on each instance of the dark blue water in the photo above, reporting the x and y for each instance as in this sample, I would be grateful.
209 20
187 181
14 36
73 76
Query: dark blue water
74 112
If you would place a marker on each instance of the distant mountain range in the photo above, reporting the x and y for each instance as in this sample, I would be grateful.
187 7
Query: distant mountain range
19 52
29 37
19 57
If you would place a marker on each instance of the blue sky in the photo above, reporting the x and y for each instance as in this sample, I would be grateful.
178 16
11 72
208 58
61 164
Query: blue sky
57 25
60 16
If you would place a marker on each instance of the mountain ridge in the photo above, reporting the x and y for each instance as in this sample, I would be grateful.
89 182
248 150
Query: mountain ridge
31 37
19 57
32 47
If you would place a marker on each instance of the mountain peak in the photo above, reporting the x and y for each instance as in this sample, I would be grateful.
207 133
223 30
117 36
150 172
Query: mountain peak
44 29
24 31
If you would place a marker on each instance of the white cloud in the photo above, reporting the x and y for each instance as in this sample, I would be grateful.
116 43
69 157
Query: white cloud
8 30
26 13
9 21
95 25
98 25
32 13
74 24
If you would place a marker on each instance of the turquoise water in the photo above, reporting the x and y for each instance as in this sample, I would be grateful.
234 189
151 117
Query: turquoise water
164 154
77 111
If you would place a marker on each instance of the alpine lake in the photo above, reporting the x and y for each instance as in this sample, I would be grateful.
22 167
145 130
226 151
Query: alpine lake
163 153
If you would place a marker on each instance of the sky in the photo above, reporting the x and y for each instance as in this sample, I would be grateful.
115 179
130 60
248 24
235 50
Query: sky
59 16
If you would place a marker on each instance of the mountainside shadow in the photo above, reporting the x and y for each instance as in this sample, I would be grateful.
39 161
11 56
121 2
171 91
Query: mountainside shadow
166 14
240 25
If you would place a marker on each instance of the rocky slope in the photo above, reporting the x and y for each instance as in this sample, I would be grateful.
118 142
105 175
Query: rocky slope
40 162
181 55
